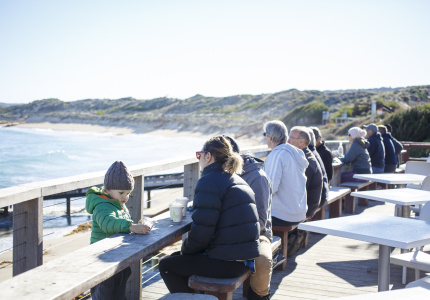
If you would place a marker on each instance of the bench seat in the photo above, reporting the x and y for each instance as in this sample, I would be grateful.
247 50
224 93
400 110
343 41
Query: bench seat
417 260
334 202
423 282
223 288
350 200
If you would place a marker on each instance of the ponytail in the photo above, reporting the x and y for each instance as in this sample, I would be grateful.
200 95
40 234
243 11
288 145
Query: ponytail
233 164
221 149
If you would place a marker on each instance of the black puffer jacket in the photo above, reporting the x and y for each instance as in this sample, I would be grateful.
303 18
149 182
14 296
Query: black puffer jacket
225 219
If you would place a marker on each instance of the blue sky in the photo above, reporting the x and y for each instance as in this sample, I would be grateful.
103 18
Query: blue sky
73 50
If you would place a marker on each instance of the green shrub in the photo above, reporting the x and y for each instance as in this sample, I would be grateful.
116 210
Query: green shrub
307 114
411 124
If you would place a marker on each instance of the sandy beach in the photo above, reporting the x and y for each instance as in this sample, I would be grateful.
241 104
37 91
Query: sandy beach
244 141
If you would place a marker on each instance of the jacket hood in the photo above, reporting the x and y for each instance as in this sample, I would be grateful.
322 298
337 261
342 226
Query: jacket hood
376 135
298 155
250 164
363 142
95 196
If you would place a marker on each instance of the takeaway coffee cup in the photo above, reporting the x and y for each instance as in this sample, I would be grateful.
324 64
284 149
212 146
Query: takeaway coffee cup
176 211
184 202
170 210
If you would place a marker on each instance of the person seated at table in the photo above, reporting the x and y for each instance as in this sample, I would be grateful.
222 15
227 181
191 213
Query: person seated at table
257 179
357 155
398 147
325 185
324 153
299 137
285 166
224 236
376 148
390 152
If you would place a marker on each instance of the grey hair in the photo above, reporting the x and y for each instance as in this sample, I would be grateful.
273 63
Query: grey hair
303 133
277 131
317 132
312 137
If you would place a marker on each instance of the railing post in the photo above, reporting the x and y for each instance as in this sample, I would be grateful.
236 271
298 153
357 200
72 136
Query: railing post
191 176
135 206
27 235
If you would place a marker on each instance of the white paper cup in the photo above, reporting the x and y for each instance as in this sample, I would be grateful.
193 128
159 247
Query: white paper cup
170 210
184 202
176 212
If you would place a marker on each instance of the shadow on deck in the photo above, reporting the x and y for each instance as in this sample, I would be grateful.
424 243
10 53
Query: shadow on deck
330 267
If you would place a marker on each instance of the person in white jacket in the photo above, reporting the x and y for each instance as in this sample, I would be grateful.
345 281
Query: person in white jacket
285 166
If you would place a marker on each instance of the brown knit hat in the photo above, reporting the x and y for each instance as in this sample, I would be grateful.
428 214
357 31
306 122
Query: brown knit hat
118 177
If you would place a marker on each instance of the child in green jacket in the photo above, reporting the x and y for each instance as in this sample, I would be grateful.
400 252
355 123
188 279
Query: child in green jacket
111 216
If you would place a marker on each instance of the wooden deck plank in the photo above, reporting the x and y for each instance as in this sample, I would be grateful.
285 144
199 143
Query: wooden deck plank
330 267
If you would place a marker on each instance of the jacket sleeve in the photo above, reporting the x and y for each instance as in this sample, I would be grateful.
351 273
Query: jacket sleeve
373 147
207 206
263 191
327 159
350 155
398 147
109 223
313 188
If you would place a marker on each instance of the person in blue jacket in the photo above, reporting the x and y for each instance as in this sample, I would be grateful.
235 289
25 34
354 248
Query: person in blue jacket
376 149
224 237
390 151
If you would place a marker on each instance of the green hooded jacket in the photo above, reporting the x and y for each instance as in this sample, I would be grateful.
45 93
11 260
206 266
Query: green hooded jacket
109 217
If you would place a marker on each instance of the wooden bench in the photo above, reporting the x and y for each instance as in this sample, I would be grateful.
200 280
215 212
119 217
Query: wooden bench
334 202
74 273
282 232
223 288
350 200
423 282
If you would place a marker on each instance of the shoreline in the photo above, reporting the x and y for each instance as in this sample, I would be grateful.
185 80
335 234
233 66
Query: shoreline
117 130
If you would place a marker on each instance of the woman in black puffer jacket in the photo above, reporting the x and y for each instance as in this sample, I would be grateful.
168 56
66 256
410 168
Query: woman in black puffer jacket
225 231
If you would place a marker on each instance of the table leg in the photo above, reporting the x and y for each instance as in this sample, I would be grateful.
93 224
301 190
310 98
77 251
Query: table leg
384 268
406 211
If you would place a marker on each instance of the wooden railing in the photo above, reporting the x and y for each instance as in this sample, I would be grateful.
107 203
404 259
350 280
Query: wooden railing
412 145
27 202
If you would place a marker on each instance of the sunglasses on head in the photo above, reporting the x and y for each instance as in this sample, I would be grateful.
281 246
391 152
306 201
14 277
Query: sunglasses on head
199 153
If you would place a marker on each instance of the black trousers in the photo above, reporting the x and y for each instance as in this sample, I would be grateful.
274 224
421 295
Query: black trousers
279 222
176 269
112 288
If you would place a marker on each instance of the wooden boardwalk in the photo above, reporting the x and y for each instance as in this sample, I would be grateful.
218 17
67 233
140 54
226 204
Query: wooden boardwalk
330 267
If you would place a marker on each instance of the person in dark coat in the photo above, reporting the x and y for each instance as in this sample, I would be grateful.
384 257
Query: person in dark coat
390 152
224 236
398 147
254 175
325 187
376 149
324 152
299 137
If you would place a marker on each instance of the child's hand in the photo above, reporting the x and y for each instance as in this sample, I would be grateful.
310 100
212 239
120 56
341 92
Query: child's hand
139 228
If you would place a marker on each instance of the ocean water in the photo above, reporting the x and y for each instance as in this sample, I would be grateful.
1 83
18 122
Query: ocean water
30 155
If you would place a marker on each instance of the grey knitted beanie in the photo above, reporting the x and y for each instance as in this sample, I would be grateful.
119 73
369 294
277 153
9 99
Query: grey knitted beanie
118 177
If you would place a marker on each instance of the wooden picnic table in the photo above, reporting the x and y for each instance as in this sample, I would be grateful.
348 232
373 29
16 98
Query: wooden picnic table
386 231
69 275
402 196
